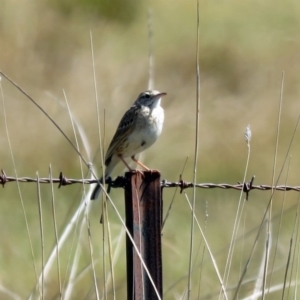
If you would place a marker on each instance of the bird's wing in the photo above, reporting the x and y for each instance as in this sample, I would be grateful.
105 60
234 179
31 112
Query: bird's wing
125 128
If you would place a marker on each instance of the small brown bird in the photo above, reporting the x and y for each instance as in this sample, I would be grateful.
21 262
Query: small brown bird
139 128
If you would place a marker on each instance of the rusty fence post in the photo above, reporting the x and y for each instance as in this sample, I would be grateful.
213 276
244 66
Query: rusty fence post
143 208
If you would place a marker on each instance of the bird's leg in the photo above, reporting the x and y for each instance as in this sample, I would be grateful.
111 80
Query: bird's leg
125 163
139 163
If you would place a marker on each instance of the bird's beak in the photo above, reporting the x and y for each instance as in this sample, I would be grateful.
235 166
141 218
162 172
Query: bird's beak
161 94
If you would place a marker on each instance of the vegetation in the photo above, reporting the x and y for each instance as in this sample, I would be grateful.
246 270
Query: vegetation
244 48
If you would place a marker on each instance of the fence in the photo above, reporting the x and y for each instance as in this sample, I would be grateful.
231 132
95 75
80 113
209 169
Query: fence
144 213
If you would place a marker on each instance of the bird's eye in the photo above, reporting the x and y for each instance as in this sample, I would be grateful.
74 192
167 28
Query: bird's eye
147 95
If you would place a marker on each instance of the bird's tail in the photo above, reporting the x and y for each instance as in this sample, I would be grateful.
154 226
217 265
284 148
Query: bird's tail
96 190
109 168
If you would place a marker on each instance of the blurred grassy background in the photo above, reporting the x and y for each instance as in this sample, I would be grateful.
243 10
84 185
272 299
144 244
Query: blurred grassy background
244 47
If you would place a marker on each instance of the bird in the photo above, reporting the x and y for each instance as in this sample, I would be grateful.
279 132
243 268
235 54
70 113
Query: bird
138 129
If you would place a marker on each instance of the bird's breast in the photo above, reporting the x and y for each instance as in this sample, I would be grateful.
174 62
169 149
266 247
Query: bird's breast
153 122
147 129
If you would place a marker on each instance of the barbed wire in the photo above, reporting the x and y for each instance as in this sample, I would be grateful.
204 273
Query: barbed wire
121 181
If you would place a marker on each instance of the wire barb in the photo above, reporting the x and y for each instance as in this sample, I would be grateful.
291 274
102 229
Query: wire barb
247 187
183 184
3 178
63 180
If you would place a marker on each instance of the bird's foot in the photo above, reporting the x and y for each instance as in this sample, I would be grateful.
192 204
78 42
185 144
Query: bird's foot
139 163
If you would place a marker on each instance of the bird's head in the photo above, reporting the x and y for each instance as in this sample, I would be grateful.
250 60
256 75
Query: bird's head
150 98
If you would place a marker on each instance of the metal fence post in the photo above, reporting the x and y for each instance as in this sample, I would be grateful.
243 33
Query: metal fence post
143 208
